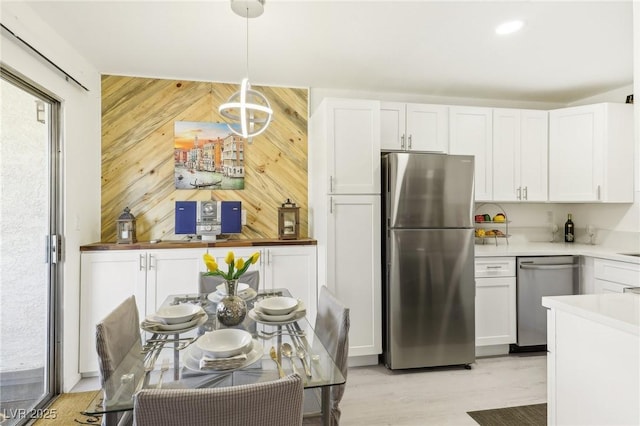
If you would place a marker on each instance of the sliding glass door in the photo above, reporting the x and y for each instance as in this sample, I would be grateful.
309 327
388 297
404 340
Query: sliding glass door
29 217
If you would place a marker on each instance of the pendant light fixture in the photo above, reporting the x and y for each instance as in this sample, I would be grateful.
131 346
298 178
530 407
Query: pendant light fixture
247 107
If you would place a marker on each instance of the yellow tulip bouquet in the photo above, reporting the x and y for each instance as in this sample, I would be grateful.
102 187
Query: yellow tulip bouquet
236 268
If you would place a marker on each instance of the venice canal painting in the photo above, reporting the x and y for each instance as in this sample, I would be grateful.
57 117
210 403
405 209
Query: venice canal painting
207 156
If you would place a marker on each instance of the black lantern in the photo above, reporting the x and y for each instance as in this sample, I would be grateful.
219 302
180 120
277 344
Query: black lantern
288 221
126 227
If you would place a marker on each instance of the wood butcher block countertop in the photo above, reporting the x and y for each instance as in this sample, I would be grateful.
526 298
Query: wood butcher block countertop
173 244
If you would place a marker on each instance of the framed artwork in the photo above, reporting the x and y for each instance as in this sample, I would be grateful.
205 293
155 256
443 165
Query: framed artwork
207 156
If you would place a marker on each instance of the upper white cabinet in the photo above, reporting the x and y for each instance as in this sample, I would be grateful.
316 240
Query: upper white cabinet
520 148
345 147
414 127
591 153
471 133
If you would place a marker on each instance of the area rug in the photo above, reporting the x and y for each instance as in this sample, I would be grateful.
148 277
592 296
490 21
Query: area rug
524 415
67 409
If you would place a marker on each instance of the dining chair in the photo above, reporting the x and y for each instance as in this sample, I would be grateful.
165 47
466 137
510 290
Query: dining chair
274 403
332 328
208 283
119 346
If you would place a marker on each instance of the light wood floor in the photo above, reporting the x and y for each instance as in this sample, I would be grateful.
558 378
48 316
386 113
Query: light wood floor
378 396
441 396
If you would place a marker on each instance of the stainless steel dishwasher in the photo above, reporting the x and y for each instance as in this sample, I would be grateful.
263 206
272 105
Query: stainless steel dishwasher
537 277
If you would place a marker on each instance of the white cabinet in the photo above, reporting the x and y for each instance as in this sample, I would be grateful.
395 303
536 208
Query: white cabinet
611 276
109 277
351 248
495 301
470 132
591 153
520 141
414 127
345 147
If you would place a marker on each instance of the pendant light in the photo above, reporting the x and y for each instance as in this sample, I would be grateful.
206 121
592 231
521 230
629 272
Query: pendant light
247 107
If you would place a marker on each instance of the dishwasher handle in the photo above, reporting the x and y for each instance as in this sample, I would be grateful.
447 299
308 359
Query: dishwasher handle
548 266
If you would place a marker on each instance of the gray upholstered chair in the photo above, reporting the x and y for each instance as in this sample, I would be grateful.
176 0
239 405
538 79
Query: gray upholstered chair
332 328
118 345
208 283
273 403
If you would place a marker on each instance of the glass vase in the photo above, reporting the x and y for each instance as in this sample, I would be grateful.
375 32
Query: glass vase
232 309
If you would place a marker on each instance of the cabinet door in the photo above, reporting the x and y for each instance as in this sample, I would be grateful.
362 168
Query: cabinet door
294 268
353 267
392 126
470 131
533 159
172 272
495 311
506 155
427 128
575 153
106 280
353 138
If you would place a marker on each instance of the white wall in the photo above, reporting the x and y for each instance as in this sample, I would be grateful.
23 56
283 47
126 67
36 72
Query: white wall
80 151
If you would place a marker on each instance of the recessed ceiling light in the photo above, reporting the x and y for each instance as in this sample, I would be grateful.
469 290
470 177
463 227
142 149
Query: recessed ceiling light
509 27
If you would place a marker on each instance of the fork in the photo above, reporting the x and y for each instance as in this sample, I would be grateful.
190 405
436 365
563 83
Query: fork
163 369
276 333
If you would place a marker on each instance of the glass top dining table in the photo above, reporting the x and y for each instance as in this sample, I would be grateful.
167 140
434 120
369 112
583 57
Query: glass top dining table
142 369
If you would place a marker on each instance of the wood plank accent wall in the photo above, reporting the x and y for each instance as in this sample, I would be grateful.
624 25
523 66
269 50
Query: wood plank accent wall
138 116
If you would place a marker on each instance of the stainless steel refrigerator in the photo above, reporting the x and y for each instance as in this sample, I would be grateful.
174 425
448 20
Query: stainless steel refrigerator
428 270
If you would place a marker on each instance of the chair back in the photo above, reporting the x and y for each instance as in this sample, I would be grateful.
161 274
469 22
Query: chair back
332 328
208 283
119 346
274 403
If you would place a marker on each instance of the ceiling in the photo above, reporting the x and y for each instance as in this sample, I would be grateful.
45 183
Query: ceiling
567 50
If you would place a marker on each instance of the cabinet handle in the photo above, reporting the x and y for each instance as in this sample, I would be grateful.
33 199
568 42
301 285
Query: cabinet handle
402 141
410 140
519 191
598 191
526 193
143 262
330 183
331 205
151 259
494 267
268 257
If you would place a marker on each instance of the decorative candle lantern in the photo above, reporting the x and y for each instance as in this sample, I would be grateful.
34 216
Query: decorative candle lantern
126 227
288 221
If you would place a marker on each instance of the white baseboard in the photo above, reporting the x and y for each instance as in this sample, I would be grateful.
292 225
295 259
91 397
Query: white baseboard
359 361
492 350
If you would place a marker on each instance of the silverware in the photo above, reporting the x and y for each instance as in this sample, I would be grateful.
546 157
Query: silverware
271 336
274 357
287 351
302 354
275 333
163 369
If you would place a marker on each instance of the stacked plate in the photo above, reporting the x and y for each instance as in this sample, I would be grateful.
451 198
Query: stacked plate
223 350
244 291
174 319
278 310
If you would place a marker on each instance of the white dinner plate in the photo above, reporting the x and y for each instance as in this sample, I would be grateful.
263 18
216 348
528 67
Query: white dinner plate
246 295
267 319
194 354
197 321
222 288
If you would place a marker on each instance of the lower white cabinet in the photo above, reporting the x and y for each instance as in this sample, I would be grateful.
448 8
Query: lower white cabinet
353 271
611 276
109 277
495 301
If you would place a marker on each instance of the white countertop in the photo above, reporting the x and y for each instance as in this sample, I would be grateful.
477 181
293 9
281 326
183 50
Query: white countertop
617 310
552 249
